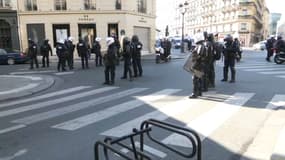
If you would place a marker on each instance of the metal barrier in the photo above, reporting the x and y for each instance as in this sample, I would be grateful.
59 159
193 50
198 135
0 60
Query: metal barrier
146 128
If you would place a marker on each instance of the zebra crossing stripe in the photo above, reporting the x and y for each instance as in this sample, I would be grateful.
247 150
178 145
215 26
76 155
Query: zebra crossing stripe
269 133
109 112
211 120
252 67
63 73
76 107
29 86
52 102
11 129
273 72
264 69
52 94
281 76
163 112
32 72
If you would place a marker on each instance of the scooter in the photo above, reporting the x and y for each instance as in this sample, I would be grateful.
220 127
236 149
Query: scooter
279 57
159 55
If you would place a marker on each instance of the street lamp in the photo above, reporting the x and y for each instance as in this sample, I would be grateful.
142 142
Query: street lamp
183 10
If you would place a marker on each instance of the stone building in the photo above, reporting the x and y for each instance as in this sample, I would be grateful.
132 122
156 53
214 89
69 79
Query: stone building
9 37
242 18
86 19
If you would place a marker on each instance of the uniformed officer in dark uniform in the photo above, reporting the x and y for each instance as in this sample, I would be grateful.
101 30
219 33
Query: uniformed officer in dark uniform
45 50
96 48
229 52
61 54
33 50
110 61
70 52
136 56
127 55
82 50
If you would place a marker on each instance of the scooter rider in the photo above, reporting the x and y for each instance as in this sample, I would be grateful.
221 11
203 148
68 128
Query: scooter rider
229 52
279 45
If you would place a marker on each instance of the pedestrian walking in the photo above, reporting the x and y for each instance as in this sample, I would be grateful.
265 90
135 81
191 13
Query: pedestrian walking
96 48
32 52
127 55
229 52
110 61
45 50
82 50
61 54
70 52
136 56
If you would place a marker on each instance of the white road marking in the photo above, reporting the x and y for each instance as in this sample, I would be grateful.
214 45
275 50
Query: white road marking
277 101
52 102
163 112
281 76
48 95
32 72
252 67
29 86
264 69
273 72
75 107
13 128
149 149
212 119
63 73
33 78
17 154
109 112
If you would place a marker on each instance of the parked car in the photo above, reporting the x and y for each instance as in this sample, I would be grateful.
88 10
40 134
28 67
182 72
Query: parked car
177 43
12 57
260 45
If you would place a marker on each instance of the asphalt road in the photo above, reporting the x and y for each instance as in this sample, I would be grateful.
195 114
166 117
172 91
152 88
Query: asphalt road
245 119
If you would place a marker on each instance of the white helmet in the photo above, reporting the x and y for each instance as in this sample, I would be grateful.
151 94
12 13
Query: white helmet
110 40
61 41
70 39
98 39
199 37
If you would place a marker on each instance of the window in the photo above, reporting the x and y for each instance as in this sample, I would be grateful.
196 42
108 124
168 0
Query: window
243 26
142 6
2 52
244 12
60 4
31 5
118 5
5 3
89 4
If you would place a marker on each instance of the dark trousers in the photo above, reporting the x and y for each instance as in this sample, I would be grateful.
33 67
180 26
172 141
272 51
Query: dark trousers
110 71
45 60
84 61
127 68
197 86
212 75
137 67
205 78
229 62
98 60
269 54
61 63
34 59
70 60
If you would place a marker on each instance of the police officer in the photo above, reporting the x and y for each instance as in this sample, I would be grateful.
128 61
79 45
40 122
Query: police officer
269 47
61 52
210 61
229 52
45 49
70 51
136 56
207 58
127 55
279 44
32 52
197 68
110 61
97 50
82 50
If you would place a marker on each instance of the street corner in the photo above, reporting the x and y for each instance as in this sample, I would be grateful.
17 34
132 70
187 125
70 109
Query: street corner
15 86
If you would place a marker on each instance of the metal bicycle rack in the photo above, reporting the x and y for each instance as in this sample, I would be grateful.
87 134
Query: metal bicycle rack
138 153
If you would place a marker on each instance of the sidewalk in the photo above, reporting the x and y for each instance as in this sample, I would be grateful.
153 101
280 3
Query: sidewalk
12 86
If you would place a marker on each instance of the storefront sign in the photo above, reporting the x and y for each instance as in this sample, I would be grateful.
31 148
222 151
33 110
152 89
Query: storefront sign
86 18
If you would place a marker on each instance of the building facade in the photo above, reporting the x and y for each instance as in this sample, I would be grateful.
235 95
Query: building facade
86 19
9 37
241 18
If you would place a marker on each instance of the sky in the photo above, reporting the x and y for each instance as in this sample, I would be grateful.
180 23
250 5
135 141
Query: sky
165 9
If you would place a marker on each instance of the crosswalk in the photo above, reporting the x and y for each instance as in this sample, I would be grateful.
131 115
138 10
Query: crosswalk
264 68
54 72
205 115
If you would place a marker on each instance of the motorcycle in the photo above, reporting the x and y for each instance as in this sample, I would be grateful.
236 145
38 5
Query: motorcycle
279 57
159 55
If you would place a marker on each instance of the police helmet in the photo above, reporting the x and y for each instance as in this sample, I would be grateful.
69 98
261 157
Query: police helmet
228 38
